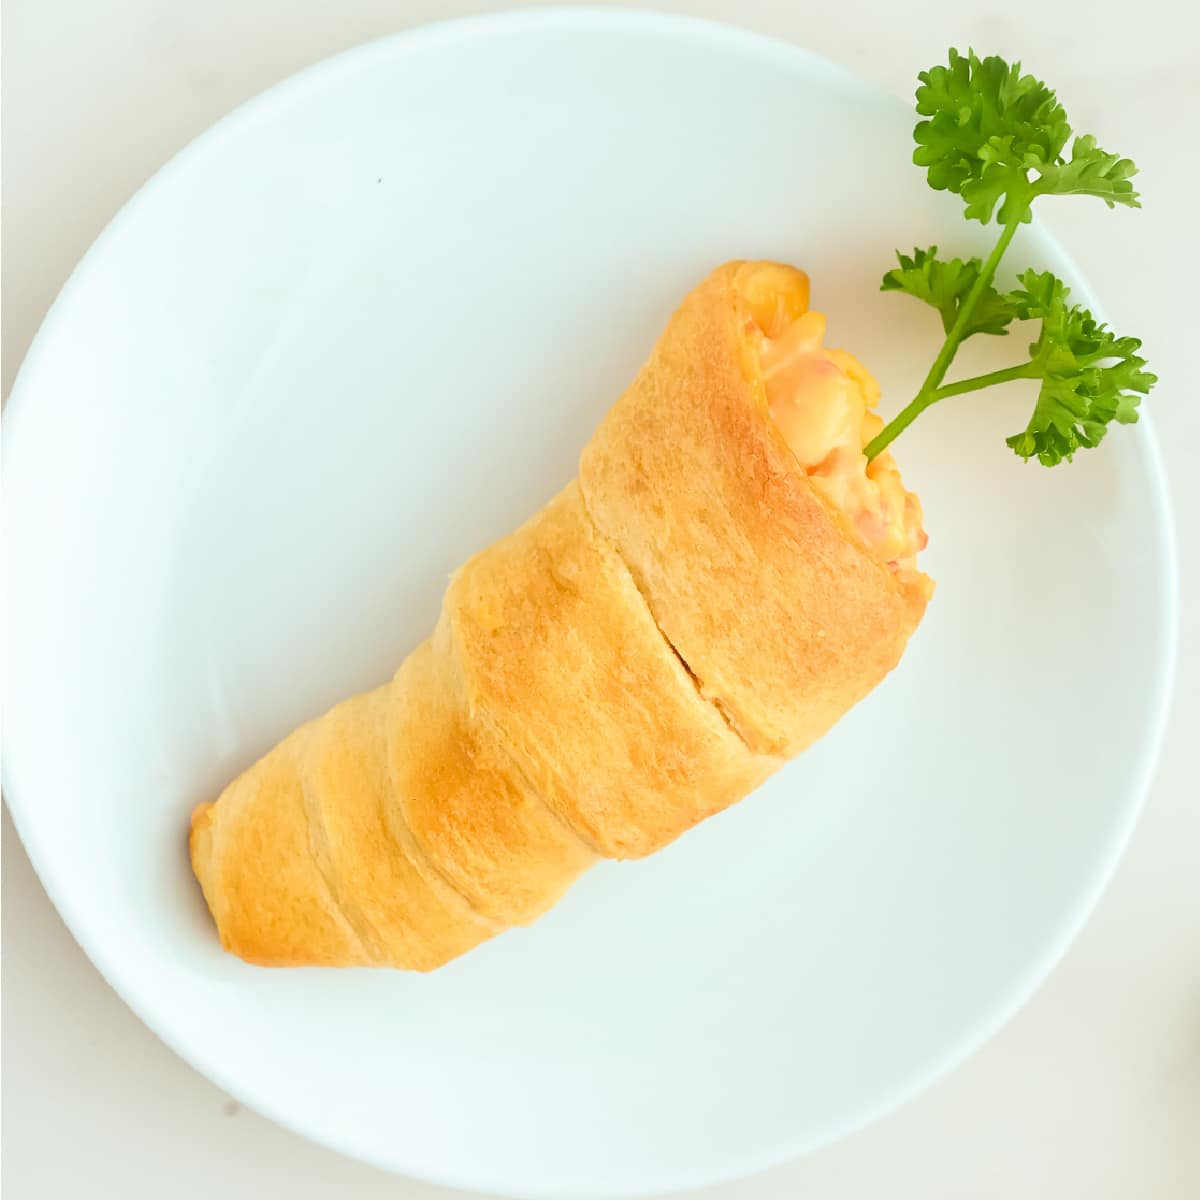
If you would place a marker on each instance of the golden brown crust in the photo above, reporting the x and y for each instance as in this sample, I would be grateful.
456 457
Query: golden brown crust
562 656
309 872
780 612
414 918
478 821
254 859
635 658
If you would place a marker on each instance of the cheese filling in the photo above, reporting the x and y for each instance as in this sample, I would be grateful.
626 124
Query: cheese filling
823 403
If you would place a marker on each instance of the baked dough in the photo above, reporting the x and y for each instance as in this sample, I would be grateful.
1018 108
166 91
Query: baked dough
669 630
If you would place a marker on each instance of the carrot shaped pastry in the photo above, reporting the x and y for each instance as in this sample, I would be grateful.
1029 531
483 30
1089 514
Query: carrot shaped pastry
724 579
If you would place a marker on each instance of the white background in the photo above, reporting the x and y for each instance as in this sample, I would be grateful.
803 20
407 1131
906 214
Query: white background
1094 1090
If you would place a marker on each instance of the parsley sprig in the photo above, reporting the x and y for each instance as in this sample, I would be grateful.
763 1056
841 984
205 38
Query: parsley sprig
999 139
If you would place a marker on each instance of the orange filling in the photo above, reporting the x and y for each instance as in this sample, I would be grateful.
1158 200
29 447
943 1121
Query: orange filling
822 400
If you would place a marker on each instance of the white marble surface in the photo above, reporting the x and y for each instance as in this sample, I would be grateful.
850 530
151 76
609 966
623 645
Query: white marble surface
1093 1092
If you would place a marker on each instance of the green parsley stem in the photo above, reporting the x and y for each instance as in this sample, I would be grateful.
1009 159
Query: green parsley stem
929 393
1025 370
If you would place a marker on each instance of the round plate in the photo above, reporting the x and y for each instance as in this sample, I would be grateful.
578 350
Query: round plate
363 327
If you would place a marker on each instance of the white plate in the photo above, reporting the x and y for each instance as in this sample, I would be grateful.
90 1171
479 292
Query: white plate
363 327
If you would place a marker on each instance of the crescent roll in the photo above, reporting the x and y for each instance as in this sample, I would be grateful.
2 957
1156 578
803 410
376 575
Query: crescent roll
725 578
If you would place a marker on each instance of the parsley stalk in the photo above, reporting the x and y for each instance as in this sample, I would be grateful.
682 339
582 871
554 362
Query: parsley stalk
976 382
929 393
997 138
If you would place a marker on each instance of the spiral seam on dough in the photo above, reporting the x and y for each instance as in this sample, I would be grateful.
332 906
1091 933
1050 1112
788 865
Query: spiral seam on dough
520 773
504 738
406 841
406 838
477 716
697 682
452 661
369 939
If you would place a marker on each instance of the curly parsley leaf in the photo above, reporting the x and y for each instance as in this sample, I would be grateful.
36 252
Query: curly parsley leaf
945 284
988 126
1090 171
1090 377
986 123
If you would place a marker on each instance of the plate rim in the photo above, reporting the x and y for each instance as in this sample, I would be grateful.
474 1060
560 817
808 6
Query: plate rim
444 34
